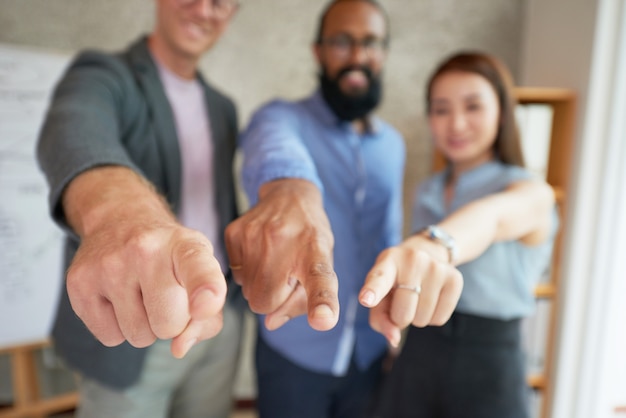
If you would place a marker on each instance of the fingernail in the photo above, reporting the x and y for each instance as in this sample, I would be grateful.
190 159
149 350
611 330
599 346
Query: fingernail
188 345
323 311
277 322
368 297
394 340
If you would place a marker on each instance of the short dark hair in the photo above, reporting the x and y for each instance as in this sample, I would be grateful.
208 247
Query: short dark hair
332 3
507 146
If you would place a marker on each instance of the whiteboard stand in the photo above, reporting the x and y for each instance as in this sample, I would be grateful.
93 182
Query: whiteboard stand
27 402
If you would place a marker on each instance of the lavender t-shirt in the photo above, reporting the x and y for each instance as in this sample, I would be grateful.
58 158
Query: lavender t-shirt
198 207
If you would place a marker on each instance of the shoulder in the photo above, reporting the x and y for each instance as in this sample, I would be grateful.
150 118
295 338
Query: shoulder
386 127
492 177
278 105
96 72
513 173
278 110
100 63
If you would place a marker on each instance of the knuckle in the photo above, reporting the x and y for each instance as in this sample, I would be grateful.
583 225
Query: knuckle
144 244
251 231
320 270
258 305
231 231
401 318
192 247
458 278
414 254
275 230
112 264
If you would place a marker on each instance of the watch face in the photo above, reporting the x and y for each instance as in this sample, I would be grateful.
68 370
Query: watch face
437 234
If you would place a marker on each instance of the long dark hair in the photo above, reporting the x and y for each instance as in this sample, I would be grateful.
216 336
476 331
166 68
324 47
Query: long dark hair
507 146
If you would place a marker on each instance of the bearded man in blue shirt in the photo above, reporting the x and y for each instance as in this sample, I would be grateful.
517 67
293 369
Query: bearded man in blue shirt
324 177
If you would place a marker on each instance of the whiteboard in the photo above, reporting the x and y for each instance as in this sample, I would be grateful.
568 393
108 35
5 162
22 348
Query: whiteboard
30 243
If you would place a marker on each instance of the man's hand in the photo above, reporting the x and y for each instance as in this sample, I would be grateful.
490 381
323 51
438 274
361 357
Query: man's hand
281 254
138 275
411 284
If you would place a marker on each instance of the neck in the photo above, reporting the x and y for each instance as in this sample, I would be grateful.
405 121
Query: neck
175 61
457 169
361 125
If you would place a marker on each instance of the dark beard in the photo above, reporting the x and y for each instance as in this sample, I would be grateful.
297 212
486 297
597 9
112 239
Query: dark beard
351 107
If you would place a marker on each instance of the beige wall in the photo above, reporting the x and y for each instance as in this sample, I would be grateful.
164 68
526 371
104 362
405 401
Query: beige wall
266 52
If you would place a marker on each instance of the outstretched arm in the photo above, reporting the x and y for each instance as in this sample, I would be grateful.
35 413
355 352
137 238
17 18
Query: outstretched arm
281 250
521 212
138 274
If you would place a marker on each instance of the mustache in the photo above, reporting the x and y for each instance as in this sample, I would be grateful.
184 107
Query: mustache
362 68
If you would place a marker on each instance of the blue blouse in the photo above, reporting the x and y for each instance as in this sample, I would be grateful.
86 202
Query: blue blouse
499 283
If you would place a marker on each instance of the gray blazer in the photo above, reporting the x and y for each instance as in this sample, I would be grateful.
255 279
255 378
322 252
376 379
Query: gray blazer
112 110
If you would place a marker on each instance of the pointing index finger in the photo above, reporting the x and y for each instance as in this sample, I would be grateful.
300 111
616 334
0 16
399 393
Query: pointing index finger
321 285
379 281
200 274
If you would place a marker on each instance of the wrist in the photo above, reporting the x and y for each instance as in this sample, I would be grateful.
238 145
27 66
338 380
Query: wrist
109 196
439 236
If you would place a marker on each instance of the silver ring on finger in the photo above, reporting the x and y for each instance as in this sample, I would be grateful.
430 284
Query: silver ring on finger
417 289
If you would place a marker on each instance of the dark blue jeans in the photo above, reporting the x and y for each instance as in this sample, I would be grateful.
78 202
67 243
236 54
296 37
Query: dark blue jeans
472 367
286 390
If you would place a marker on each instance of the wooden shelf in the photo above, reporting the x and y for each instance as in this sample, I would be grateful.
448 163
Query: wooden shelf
537 382
545 291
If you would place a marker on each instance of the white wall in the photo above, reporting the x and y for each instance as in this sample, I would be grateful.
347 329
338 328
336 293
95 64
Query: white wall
580 44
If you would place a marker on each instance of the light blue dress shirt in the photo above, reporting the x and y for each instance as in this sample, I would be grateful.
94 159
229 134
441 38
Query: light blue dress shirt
499 284
360 176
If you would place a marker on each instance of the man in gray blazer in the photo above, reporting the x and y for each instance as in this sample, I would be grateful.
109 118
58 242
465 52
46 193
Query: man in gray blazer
137 149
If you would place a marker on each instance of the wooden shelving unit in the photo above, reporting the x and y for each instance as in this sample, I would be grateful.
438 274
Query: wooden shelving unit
563 103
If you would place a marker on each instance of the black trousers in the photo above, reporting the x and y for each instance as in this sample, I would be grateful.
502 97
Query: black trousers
286 390
472 367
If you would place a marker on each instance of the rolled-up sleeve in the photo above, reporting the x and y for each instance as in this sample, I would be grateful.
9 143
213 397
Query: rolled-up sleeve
273 148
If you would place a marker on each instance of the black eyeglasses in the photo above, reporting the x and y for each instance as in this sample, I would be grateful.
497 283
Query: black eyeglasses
342 46
222 9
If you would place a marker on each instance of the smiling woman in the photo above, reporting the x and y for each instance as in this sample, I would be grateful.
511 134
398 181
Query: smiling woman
501 224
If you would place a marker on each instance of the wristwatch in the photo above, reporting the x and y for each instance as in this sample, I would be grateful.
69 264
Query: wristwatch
438 235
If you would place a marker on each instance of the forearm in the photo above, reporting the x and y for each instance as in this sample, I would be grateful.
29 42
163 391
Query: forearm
111 195
522 212
473 227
